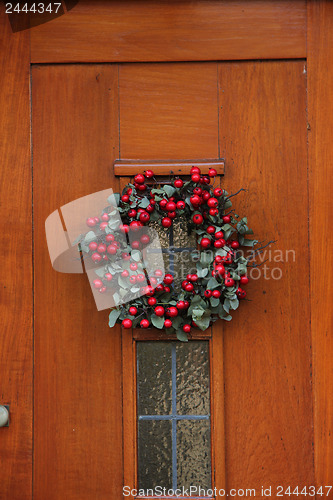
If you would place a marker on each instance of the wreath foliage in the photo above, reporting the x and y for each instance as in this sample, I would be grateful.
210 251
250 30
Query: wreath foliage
216 287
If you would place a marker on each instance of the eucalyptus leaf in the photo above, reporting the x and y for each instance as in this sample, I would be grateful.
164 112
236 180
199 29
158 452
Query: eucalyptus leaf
214 301
157 321
90 236
212 283
169 190
113 316
202 272
144 203
182 336
136 255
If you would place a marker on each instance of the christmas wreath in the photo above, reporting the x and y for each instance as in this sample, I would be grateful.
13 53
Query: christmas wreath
213 287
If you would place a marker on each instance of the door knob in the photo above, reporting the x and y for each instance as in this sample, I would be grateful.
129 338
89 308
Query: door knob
4 416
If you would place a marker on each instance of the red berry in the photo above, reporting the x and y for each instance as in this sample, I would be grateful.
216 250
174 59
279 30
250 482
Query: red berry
127 323
150 209
227 219
145 239
194 278
112 249
213 211
132 213
205 242
105 217
101 248
159 288
172 215
144 323
153 281
125 198
195 170
96 257
220 269
241 294
195 200
218 235
168 323
235 245
103 225
135 225
178 183
208 293
125 273
129 191
218 243
98 283
133 310
171 206
218 192
151 301
163 204
195 177
149 174
135 244
212 202
197 191
229 282
125 256
187 328
216 294
212 172
210 229
180 304
244 280
132 279
189 287
205 180
206 195
93 246
124 228
172 312
180 205
109 237
218 258
142 187
149 290
184 283
168 279
140 278
108 276
144 217
133 266
186 304
102 289
159 311
197 219
91 222
158 273
166 222
139 179
167 289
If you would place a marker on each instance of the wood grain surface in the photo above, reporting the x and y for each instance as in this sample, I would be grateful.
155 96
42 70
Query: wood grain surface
114 31
167 110
16 339
78 396
267 345
132 167
320 96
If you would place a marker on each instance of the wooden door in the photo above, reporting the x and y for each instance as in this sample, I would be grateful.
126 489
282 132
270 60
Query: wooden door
93 104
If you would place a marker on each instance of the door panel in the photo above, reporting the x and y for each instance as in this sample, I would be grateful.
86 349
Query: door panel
267 345
255 114
168 111
78 416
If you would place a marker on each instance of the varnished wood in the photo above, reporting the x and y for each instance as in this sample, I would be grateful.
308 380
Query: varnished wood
78 396
168 111
16 301
267 345
154 334
320 95
108 31
132 167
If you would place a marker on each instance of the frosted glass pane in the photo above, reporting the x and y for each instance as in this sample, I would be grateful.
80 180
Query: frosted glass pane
155 454
193 396
193 453
154 378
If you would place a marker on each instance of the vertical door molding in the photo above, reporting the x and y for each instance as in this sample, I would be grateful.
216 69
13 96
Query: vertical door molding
320 126
16 307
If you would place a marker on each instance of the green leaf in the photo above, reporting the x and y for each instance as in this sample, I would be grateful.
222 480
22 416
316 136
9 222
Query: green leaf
214 301
202 272
226 305
182 336
100 272
203 323
144 203
234 303
90 236
227 318
206 257
198 312
169 190
212 283
123 282
157 321
176 322
136 255
113 316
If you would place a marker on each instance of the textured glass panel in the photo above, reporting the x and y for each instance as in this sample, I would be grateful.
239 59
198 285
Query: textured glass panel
181 236
193 453
155 454
193 378
154 378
